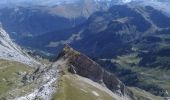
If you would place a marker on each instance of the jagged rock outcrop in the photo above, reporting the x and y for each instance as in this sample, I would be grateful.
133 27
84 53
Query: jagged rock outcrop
82 65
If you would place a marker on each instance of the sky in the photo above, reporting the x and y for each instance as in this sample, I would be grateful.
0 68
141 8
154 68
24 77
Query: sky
30 1
5 2
160 4
54 2
49 1
46 1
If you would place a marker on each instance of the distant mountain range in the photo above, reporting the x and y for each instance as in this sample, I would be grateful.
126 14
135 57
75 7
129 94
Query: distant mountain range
124 50
65 15
135 38
157 3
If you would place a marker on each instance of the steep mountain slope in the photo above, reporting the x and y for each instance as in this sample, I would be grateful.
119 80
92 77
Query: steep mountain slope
15 63
126 40
63 65
37 19
60 14
11 51
71 77
129 48
33 21
129 40
33 18
119 28
120 22
94 77
84 66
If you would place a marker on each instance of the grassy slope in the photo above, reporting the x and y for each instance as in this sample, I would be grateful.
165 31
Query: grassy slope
73 89
143 95
10 75
149 75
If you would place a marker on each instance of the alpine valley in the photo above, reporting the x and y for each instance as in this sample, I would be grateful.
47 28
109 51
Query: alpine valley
84 50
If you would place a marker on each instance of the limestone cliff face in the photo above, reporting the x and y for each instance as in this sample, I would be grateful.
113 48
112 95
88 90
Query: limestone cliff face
82 65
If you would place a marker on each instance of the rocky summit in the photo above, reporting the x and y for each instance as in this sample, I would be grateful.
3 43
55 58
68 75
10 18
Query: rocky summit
84 66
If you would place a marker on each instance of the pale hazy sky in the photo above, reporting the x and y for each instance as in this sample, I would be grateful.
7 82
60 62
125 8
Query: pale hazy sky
39 2
58 1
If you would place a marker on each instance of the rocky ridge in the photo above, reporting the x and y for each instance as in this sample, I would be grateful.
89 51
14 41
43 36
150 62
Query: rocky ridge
82 65
77 67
